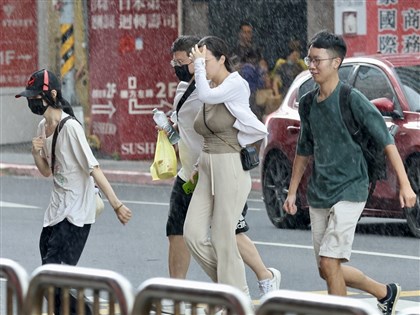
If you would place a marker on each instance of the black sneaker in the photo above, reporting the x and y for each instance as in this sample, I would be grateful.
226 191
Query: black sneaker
387 307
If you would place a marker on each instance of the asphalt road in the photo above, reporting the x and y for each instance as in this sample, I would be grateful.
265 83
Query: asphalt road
138 251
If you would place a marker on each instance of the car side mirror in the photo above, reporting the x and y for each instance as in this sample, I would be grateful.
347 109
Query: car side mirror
383 104
386 107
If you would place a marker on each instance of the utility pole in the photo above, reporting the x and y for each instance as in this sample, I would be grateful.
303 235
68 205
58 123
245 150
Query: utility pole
67 57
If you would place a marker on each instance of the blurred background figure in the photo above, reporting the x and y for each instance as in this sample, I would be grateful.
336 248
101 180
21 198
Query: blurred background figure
251 71
248 60
286 70
246 47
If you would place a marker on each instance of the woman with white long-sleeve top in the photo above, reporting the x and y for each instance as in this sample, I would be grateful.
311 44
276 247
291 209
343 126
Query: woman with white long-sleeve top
227 124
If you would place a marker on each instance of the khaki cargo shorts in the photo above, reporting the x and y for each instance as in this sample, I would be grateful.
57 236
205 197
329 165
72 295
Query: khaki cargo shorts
333 229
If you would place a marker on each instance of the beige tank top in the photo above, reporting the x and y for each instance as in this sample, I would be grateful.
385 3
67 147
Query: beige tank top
220 121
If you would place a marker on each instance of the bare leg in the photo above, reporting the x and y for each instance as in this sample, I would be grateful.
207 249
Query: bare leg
179 257
330 270
251 257
356 279
338 277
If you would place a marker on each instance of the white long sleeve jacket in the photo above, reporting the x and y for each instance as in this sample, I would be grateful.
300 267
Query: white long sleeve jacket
234 93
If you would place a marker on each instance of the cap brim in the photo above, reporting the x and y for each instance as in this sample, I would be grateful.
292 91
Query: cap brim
28 93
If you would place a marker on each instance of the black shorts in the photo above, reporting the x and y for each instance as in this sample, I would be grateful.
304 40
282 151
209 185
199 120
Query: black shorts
178 206
63 243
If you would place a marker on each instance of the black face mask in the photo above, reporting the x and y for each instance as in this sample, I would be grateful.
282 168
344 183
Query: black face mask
37 106
183 73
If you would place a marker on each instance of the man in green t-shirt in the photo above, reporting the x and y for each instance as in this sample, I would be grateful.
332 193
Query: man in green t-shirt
338 188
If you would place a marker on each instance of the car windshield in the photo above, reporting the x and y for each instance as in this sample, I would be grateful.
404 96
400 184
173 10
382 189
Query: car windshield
409 77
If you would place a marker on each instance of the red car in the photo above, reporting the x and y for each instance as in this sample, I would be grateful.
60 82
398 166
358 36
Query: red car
392 83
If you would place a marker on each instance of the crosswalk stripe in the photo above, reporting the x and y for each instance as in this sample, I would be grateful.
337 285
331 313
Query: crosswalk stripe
4 204
353 251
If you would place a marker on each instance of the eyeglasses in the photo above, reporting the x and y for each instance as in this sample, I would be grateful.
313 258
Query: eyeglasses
178 63
315 61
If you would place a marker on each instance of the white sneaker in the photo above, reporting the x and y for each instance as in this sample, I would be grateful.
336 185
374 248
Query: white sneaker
218 310
168 307
272 284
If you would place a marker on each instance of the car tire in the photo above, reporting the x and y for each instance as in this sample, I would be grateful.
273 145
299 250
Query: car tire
276 179
413 214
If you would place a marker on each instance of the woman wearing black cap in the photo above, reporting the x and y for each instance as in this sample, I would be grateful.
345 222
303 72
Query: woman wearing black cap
71 210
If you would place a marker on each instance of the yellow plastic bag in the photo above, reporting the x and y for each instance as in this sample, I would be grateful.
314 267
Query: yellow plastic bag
165 162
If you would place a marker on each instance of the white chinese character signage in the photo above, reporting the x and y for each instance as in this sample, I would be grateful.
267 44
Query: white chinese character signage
392 26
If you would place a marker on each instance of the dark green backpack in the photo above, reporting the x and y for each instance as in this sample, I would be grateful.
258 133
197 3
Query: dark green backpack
373 154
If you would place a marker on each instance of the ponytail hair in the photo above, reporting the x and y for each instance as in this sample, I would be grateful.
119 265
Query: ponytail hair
64 104
60 102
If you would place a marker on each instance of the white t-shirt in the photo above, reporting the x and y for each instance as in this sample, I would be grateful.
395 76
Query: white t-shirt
73 194
191 142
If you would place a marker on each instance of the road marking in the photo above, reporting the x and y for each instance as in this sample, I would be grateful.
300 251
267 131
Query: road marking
410 293
4 204
165 204
292 245
145 203
353 251
255 200
414 293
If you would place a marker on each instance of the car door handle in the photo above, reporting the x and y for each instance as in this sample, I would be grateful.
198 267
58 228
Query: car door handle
293 129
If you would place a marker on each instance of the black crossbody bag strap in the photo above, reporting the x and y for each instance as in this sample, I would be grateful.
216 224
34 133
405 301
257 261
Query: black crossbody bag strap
205 123
184 97
54 141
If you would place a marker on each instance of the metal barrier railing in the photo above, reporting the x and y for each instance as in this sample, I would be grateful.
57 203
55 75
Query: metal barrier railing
415 310
285 302
74 283
199 296
16 284
27 296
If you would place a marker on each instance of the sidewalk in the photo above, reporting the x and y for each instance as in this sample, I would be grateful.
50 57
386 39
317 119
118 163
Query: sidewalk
17 160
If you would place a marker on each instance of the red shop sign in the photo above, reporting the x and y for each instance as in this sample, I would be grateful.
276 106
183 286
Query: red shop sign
18 42
129 55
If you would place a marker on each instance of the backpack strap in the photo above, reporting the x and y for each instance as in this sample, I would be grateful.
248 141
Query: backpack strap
54 141
184 97
347 113
306 102
352 127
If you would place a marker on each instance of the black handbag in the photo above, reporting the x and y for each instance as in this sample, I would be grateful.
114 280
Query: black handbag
249 155
249 158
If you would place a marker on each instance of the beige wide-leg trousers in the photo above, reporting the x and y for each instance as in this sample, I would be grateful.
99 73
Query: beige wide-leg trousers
216 205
